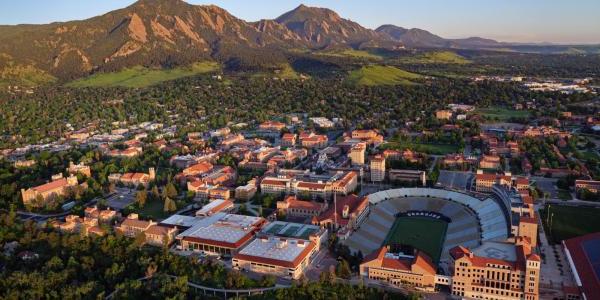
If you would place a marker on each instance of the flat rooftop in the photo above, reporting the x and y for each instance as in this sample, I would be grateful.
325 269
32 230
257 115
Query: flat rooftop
497 250
222 227
276 250
180 220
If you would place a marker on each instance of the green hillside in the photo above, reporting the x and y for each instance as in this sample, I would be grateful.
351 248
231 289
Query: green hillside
436 57
382 75
24 76
351 53
140 76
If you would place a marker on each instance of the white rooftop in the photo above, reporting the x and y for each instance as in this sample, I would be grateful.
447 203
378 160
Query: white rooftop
180 220
283 249
206 209
222 227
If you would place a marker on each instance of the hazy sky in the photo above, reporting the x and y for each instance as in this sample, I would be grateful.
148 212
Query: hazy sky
559 21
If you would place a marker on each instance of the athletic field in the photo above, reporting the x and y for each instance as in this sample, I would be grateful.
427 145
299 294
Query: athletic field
422 233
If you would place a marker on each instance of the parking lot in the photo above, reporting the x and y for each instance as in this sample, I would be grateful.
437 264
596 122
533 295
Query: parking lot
455 180
121 198
546 185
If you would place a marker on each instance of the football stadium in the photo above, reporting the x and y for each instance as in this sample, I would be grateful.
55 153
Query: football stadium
431 220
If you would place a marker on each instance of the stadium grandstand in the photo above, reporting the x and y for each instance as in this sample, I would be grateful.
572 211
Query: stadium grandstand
399 218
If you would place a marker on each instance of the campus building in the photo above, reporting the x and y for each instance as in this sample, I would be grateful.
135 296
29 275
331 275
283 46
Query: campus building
401 175
59 186
369 136
311 140
293 207
220 233
79 168
154 234
484 182
357 154
288 140
377 168
345 215
311 185
133 179
215 206
280 256
281 248
590 185
418 270
496 270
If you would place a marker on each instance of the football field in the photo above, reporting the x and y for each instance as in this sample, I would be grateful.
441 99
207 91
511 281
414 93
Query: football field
423 233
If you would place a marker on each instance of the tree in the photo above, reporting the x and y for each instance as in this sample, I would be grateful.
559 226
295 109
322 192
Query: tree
140 198
170 205
155 193
343 270
170 191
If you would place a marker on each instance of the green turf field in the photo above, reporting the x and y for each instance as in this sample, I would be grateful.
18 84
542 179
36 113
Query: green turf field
440 149
569 222
425 234
501 114
140 77
382 75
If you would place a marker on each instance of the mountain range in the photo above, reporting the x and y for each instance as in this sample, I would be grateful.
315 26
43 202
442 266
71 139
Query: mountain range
173 32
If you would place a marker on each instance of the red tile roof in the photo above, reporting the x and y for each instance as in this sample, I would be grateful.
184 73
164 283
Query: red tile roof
56 184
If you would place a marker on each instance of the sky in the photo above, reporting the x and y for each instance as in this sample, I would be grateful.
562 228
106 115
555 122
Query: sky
556 21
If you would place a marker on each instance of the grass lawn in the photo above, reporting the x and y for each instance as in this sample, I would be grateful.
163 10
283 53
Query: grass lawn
569 222
351 53
436 57
590 155
501 114
439 149
382 75
422 233
564 195
141 77
284 71
152 210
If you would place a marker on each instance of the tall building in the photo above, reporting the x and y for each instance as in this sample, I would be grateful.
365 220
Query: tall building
357 154
496 270
378 168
